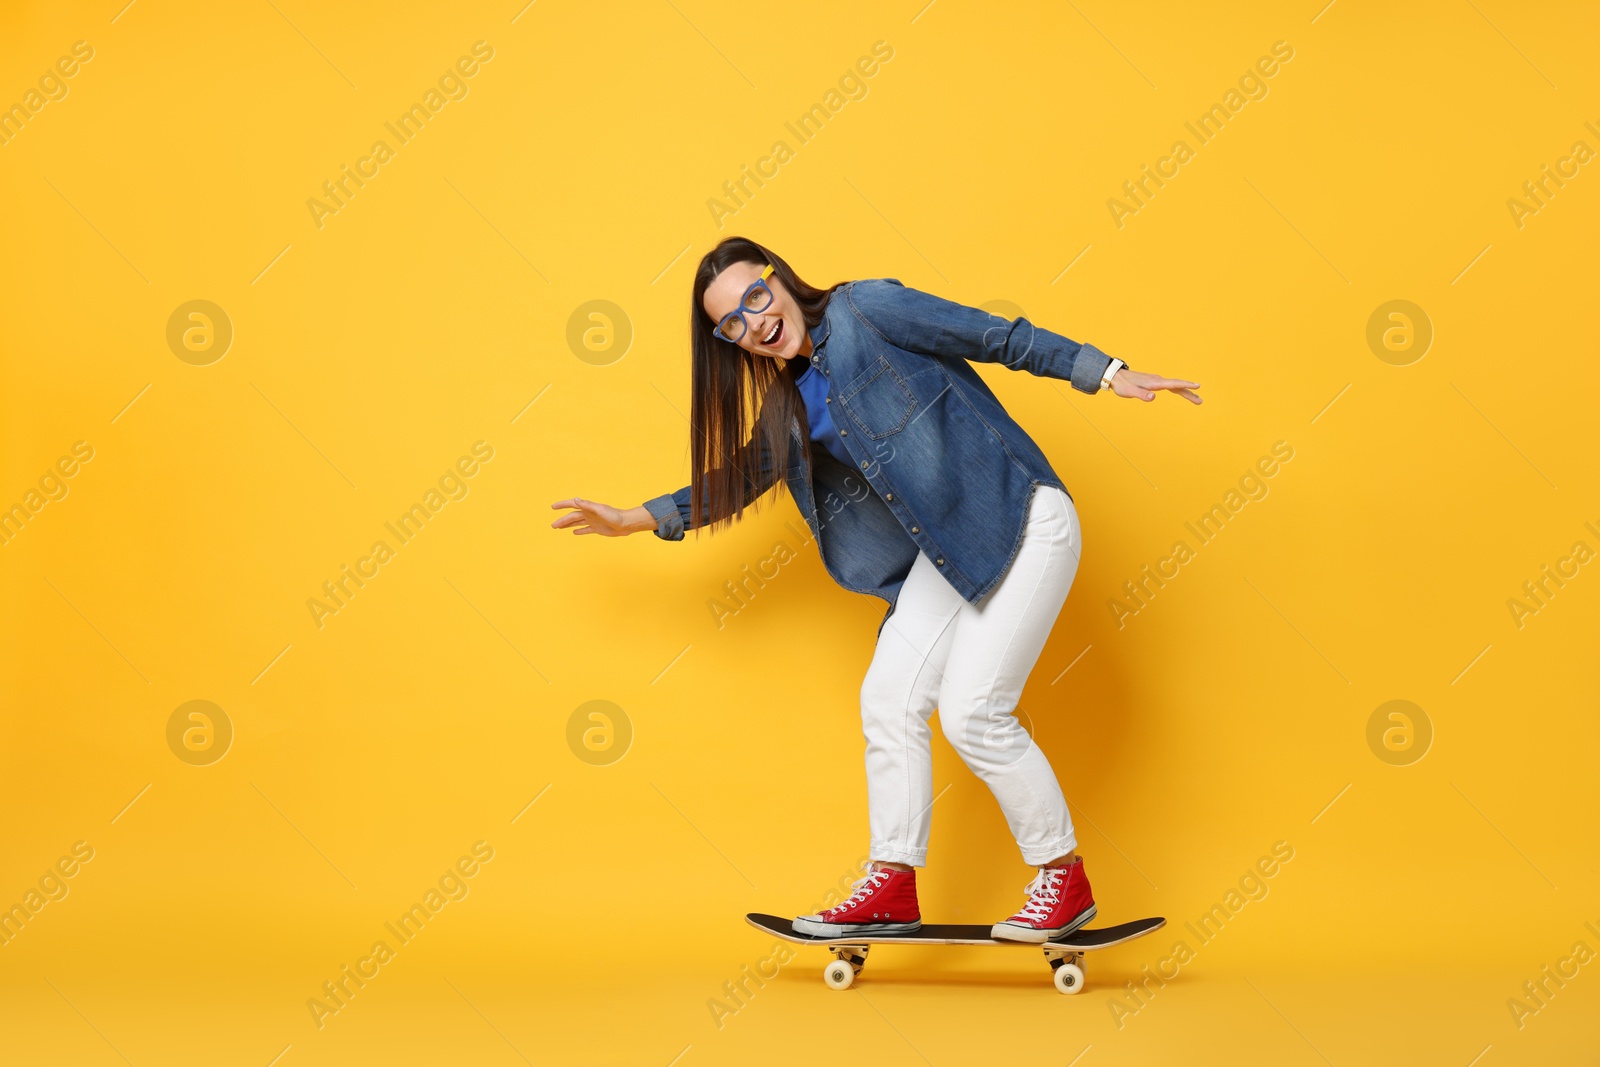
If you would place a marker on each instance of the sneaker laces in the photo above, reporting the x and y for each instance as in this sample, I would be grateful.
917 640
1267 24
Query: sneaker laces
862 889
1043 892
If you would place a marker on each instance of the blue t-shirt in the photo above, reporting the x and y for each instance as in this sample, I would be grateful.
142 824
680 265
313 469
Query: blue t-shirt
814 391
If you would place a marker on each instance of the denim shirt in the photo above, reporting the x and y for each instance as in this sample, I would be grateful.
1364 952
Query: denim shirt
939 466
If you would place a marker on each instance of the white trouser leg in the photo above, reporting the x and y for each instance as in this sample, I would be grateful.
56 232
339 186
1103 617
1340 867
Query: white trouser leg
898 697
971 662
994 647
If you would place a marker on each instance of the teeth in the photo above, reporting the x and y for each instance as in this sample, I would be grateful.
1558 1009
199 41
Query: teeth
776 326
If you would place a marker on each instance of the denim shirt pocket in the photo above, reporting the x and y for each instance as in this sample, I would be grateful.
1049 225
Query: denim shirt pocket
878 399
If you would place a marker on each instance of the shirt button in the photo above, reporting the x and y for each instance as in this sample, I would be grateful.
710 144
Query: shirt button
863 464
829 400
940 561
889 497
844 433
915 529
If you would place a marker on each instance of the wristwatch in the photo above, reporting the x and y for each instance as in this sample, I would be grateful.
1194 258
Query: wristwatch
1111 370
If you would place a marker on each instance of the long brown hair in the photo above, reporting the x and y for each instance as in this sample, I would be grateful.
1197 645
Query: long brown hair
739 397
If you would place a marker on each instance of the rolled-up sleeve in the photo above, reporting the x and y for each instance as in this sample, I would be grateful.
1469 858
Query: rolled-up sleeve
670 511
921 322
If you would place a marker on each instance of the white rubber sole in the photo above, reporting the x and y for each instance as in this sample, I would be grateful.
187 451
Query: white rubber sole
1009 931
813 926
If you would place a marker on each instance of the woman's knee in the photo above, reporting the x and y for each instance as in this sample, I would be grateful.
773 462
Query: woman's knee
981 733
880 689
886 700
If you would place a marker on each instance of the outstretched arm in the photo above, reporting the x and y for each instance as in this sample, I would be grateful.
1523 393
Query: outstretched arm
668 515
921 322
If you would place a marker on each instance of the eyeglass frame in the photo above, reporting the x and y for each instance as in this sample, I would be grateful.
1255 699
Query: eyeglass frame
740 311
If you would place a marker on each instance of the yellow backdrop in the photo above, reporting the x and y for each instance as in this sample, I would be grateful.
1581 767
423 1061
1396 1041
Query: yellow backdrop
322 747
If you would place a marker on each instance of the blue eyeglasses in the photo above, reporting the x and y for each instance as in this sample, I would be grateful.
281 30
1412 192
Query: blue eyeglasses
756 298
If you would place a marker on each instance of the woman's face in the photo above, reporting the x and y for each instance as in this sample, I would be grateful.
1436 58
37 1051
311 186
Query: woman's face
780 321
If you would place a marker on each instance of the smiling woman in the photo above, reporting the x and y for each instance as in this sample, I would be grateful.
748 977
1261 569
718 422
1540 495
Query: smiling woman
963 527
742 408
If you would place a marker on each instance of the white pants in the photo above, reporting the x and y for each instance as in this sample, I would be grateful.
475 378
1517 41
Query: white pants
970 662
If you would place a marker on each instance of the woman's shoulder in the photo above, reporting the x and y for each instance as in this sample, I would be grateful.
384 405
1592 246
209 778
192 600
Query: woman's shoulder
863 295
866 295
871 286
873 304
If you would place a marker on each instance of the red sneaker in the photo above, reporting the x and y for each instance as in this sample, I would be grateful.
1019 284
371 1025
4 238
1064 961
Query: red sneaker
1059 901
884 902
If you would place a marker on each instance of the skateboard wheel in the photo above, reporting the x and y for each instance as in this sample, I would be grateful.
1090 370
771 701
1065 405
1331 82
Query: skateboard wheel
1069 978
838 975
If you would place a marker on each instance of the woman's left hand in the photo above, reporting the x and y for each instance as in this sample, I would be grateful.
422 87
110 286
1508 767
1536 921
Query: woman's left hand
1134 383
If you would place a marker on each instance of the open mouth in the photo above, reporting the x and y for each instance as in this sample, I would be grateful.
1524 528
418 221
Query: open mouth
772 338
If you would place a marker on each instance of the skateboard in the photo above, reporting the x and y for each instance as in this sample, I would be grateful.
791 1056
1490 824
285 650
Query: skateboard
1065 956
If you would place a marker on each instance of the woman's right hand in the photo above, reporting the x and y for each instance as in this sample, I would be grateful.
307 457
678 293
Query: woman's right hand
593 517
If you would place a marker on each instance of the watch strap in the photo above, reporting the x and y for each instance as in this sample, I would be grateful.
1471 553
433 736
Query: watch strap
1111 371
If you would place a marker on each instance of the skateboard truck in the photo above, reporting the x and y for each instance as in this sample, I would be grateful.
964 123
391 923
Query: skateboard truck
1067 963
847 963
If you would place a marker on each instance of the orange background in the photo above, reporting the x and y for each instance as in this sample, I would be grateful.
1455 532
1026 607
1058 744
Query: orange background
436 309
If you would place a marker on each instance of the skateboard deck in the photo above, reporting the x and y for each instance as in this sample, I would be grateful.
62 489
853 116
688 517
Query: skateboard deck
1065 956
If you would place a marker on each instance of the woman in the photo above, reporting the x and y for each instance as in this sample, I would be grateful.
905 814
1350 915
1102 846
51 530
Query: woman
862 396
